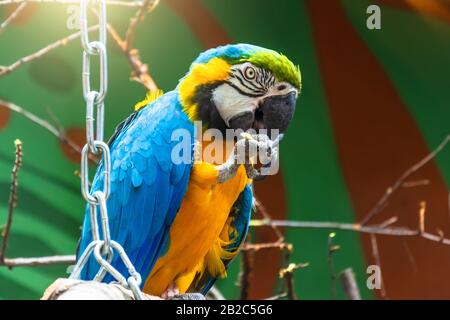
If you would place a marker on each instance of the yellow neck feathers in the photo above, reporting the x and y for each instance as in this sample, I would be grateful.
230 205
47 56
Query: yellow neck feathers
151 96
214 70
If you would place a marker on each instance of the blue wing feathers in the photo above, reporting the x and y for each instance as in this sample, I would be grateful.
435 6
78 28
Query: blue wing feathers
146 187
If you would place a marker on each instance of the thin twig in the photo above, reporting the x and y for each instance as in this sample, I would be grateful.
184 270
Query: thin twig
356 227
376 256
389 222
410 255
277 296
12 202
4 70
448 203
247 259
288 275
423 206
140 72
108 2
262 210
42 123
401 180
146 7
58 132
55 119
268 245
413 184
139 69
38 261
332 248
12 16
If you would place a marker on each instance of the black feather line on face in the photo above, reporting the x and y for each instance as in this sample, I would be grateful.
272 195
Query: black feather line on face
207 110
245 93
246 84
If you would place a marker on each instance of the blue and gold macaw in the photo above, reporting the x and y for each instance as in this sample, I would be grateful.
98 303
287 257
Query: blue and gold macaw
178 224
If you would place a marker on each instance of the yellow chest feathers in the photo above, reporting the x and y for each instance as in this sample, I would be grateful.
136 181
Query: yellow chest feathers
199 231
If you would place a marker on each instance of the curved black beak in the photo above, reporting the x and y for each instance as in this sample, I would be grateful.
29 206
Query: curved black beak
277 111
274 112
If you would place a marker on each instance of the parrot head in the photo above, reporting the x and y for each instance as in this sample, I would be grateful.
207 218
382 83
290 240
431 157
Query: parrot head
241 86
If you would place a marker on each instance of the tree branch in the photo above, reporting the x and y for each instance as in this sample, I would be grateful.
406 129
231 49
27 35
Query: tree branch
140 72
38 261
247 260
12 16
4 70
376 256
356 227
401 180
146 7
108 2
332 248
57 132
12 202
288 275
262 210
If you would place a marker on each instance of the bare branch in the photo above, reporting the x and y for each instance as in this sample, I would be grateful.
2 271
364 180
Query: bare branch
376 256
108 2
12 202
401 180
332 248
146 7
268 245
277 296
4 70
356 227
58 132
38 261
288 275
246 270
413 184
139 69
42 123
262 210
423 206
12 16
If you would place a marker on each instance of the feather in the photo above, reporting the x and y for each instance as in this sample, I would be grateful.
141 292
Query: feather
146 188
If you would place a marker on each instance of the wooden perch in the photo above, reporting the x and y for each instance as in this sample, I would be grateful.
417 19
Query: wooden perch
68 289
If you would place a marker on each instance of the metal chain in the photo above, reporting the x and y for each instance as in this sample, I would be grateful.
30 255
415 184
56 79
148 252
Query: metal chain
102 249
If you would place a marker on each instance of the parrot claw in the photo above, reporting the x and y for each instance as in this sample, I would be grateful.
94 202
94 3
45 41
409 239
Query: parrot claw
189 296
170 293
246 151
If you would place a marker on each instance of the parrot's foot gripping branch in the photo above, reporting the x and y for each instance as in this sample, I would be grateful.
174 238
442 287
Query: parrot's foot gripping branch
247 150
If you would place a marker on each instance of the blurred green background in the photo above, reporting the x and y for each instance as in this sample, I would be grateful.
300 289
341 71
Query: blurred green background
413 49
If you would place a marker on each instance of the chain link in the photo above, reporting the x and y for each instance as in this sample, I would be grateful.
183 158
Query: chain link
102 246
101 52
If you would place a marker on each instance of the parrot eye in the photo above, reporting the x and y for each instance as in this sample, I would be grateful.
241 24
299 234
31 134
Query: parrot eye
249 73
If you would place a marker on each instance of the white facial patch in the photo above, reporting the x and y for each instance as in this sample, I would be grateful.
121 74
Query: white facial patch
229 102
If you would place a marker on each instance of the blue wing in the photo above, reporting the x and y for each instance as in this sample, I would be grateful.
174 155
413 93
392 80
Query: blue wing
241 212
146 186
